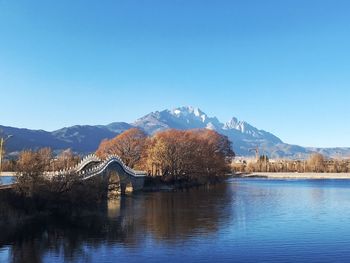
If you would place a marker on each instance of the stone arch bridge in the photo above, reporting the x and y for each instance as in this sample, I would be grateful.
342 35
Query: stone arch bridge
112 168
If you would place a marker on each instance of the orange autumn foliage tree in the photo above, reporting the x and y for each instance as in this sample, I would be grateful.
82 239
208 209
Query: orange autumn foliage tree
190 155
128 145
65 160
34 162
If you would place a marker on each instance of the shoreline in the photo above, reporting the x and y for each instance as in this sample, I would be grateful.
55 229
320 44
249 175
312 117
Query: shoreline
5 174
294 175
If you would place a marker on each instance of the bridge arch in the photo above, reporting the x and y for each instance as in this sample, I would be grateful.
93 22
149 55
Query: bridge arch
119 181
114 170
92 166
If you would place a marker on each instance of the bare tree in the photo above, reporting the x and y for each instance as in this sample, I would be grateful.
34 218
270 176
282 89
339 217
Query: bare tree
316 163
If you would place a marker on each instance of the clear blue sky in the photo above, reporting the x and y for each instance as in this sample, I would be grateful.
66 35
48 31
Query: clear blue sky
283 66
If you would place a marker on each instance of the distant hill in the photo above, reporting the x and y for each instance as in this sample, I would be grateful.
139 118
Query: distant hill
80 138
86 138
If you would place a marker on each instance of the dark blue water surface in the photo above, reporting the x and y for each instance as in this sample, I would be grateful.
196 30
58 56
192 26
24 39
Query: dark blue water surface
244 220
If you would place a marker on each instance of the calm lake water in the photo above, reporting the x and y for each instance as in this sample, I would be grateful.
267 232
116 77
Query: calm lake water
244 220
7 179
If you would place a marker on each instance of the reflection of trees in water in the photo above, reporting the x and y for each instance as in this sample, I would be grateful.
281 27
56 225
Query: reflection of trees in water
166 216
67 238
178 216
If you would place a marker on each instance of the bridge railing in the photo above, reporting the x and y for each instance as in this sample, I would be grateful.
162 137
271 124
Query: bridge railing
104 164
96 169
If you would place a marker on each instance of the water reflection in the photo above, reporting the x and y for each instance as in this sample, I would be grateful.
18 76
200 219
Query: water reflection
7 179
171 217
247 220
128 222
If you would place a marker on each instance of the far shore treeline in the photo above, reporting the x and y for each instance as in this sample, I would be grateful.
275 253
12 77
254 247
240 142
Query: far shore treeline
316 163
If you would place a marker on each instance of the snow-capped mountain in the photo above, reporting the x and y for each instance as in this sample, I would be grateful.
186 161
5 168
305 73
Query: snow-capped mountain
244 136
249 130
180 118
193 118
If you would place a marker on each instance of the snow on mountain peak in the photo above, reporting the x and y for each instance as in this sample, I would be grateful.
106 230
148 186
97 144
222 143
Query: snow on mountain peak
242 126
197 112
210 126
177 112
232 124
188 117
189 111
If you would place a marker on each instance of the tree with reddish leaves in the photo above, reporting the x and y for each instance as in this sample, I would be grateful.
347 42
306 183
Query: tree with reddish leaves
191 155
128 145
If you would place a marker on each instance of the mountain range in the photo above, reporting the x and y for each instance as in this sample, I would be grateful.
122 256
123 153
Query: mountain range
86 138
